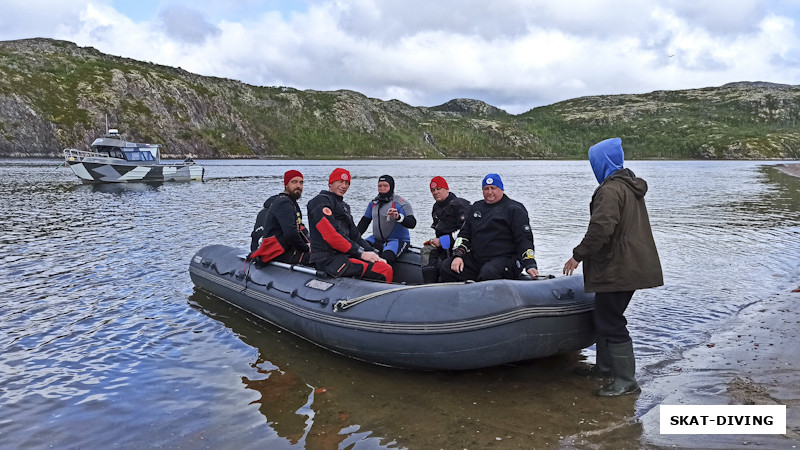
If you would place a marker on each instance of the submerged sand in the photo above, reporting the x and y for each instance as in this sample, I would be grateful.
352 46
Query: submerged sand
754 360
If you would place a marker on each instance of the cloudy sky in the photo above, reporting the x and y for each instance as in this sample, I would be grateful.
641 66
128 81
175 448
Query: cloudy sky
513 54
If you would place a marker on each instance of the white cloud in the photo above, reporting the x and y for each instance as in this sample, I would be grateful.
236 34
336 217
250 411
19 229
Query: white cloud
38 18
514 54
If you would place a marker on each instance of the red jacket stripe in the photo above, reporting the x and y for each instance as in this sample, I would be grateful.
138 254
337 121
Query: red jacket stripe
332 237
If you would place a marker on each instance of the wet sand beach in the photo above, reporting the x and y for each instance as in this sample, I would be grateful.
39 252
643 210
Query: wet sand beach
752 361
791 169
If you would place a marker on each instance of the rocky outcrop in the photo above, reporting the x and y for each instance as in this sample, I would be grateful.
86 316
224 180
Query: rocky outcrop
742 120
469 107
55 94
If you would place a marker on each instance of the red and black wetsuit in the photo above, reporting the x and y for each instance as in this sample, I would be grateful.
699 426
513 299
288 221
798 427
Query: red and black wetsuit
336 243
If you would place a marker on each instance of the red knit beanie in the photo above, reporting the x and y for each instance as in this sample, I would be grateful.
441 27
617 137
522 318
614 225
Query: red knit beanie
439 182
287 177
339 174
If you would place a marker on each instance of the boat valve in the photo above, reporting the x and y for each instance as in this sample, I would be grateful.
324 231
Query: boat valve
568 295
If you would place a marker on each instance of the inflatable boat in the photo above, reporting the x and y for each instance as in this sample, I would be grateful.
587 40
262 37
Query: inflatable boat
406 324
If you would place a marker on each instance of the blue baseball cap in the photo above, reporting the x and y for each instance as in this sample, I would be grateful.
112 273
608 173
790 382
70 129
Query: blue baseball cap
494 180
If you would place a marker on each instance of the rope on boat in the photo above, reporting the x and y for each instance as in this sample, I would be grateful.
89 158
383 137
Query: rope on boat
346 304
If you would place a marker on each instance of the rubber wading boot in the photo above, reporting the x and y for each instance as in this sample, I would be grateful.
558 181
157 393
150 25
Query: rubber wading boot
623 368
602 365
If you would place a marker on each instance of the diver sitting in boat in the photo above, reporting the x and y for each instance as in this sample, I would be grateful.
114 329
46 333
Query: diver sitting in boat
336 245
393 218
448 213
496 241
278 233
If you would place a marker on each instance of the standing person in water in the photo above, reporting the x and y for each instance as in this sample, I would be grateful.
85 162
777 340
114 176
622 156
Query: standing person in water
391 216
619 256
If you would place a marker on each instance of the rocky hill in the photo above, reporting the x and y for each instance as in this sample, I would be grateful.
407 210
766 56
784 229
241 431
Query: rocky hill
743 120
54 94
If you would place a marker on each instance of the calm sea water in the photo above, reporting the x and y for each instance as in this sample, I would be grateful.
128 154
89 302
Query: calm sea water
106 343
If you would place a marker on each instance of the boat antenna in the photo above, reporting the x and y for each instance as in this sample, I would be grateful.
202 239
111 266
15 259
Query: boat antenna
106 123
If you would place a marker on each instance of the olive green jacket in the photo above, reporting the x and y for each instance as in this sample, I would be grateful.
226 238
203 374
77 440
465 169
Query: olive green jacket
618 251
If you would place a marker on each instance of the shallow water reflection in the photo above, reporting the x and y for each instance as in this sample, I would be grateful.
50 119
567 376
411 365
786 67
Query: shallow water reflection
107 343
312 396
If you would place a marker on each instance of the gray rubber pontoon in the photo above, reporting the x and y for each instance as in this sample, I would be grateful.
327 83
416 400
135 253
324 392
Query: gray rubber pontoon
448 326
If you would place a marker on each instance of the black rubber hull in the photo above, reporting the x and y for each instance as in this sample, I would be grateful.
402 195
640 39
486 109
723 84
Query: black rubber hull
430 327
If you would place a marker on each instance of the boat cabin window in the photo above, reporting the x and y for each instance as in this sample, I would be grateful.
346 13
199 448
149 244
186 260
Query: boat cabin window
136 155
110 151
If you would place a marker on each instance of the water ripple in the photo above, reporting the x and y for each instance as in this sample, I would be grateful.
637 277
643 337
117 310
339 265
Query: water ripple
98 330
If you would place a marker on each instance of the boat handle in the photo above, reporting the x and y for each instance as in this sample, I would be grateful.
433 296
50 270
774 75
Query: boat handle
568 295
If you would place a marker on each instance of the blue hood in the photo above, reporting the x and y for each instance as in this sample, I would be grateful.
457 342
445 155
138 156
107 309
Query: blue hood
606 157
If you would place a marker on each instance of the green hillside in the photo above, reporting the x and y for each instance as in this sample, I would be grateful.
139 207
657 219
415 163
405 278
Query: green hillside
54 94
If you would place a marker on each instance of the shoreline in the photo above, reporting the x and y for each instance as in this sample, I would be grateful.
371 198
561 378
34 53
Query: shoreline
750 360
171 156
790 168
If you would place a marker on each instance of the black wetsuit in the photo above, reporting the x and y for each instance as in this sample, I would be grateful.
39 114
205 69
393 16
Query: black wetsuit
281 217
448 217
495 242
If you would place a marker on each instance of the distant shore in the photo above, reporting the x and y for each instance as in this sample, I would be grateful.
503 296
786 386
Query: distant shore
791 169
